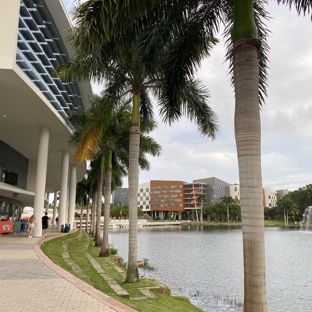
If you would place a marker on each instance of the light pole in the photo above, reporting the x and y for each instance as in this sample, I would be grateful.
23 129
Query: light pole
120 211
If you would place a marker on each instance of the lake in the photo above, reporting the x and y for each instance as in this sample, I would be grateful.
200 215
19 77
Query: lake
205 264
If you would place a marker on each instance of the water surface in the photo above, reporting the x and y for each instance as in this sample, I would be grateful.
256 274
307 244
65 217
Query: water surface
205 264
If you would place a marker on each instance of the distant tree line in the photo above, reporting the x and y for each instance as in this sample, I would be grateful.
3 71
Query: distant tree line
291 206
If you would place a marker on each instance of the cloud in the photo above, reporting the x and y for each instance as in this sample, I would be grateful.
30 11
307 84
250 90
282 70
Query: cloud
286 116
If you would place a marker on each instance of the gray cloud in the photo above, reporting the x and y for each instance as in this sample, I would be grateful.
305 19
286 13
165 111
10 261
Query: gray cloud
286 116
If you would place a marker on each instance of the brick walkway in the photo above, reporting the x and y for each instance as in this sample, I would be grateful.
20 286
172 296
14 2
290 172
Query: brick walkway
29 281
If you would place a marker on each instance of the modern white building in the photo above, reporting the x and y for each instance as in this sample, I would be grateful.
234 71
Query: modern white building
144 196
269 197
234 192
35 158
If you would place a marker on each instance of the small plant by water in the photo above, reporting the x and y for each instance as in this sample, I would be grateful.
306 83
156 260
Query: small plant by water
146 266
226 299
113 251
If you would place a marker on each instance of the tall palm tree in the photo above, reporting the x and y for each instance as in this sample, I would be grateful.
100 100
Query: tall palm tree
284 206
80 119
294 211
227 201
81 196
133 68
247 54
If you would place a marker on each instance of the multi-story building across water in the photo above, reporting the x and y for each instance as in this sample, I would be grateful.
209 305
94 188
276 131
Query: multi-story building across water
159 198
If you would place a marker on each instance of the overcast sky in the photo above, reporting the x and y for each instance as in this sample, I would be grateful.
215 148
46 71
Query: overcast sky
286 117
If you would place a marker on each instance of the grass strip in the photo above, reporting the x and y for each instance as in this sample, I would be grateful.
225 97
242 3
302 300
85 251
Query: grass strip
159 300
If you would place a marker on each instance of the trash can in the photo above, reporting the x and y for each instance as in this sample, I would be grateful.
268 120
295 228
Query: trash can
62 228
67 228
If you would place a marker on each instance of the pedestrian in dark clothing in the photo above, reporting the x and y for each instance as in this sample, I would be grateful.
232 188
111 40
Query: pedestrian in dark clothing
45 224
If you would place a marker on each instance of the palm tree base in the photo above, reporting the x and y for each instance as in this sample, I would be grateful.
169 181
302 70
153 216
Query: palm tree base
104 253
132 275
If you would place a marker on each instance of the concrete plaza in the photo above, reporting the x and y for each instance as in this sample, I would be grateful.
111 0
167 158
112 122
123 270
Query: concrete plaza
29 281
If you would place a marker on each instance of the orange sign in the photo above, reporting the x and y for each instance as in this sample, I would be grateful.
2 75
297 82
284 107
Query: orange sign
6 227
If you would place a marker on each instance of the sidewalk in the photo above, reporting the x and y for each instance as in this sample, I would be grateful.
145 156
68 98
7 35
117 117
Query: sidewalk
29 281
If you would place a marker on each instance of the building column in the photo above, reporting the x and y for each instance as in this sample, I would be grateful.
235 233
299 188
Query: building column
63 195
72 196
47 205
54 208
41 174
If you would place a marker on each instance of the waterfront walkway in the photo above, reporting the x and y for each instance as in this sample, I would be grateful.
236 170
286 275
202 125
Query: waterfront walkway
29 281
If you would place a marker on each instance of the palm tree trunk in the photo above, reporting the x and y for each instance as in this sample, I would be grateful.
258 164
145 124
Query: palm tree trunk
99 203
105 251
228 213
81 213
134 147
93 214
87 215
201 212
248 141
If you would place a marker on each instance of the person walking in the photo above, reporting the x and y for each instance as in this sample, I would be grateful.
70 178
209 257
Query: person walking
32 224
45 224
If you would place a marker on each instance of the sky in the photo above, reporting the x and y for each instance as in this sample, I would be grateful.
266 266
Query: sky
286 118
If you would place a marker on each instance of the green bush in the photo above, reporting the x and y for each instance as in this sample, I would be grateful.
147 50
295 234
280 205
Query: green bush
113 251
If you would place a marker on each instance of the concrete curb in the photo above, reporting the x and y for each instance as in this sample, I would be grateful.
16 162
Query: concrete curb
110 302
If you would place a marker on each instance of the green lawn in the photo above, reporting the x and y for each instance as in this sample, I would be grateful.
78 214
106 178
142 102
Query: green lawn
266 223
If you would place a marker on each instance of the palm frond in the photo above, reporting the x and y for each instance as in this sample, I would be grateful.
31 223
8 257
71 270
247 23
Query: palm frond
146 109
301 6
191 101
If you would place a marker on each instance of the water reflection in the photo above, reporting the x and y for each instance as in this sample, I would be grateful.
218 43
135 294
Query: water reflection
205 264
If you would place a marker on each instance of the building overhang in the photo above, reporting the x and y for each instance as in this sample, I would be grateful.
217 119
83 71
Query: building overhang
23 110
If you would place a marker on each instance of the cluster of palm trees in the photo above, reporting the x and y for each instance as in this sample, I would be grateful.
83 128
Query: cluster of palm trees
100 135
128 69
132 47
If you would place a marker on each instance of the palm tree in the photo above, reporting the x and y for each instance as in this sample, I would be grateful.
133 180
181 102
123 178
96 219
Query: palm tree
200 199
227 201
294 211
131 68
81 196
79 119
284 206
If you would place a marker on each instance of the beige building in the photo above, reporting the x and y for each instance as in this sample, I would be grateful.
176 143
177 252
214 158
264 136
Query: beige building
234 192
269 197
